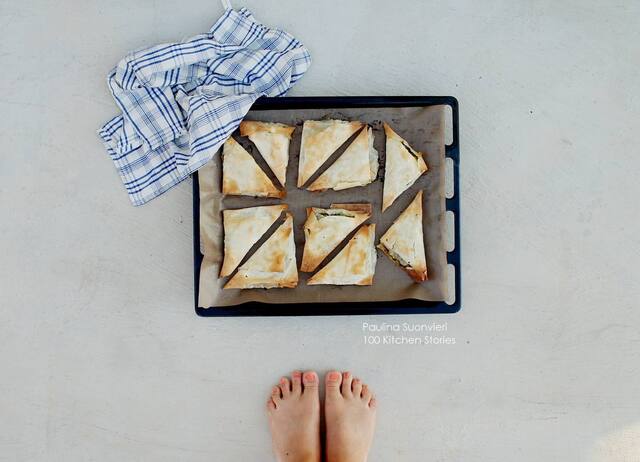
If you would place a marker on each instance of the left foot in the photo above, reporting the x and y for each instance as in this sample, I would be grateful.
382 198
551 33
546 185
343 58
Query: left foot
294 418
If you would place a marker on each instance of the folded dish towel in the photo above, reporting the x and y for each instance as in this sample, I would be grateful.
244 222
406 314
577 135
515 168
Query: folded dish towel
181 101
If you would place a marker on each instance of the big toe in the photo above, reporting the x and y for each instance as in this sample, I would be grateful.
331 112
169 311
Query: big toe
332 381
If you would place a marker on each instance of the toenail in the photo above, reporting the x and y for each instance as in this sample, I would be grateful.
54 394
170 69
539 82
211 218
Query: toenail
296 375
356 380
283 380
346 374
334 376
310 377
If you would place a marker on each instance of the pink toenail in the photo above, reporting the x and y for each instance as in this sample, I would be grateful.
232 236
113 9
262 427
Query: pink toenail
296 375
310 377
334 376
283 380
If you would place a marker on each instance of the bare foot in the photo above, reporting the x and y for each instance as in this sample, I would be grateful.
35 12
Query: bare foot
294 418
350 414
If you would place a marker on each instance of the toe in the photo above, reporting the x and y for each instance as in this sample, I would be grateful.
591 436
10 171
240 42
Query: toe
356 387
366 393
310 380
276 394
296 382
285 387
271 406
347 378
332 382
373 403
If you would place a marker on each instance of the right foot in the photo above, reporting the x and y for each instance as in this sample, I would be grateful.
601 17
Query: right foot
350 414
294 418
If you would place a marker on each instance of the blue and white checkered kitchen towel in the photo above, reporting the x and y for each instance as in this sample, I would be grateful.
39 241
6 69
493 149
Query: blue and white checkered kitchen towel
181 101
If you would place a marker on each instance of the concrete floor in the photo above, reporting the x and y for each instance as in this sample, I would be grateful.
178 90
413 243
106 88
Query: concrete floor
102 357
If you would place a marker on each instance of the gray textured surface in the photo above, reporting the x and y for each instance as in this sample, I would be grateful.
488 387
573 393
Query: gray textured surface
102 357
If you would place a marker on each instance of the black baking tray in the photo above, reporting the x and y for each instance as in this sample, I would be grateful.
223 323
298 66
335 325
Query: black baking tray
408 306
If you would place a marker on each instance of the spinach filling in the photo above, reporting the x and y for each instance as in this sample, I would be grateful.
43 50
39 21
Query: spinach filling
328 213
395 257
411 150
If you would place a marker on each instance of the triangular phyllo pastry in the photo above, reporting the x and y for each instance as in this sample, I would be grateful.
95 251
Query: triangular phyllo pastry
403 166
242 229
355 264
357 166
320 139
273 265
325 229
272 140
404 242
242 176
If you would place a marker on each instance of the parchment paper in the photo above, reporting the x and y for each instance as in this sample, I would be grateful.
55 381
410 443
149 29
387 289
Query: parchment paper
422 127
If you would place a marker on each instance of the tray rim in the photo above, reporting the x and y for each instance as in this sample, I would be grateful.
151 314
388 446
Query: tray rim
406 306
